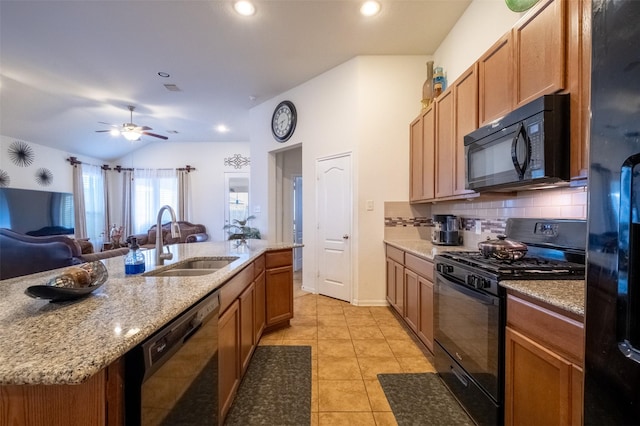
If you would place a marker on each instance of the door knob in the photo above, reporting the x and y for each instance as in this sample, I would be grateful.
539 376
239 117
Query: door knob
345 237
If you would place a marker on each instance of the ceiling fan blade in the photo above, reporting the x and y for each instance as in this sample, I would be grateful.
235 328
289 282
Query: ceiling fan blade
142 128
100 131
108 124
155 135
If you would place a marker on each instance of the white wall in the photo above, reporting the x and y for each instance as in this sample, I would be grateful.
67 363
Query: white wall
44 157
207 182
362 107
479 27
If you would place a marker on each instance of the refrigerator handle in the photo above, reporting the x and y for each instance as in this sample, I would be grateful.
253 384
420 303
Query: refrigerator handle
628 300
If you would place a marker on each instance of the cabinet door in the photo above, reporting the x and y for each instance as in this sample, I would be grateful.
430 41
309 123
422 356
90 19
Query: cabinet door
445 149
538 388
391 282
495 73
260 298
247 326
465 113
425 320
398 272
415 160
411 306
428 153
539 51
228 356
279 294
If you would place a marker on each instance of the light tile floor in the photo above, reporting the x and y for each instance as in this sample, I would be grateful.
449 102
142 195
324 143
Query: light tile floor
350 346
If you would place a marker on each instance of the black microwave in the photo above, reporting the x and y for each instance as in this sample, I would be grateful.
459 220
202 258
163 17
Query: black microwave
525 149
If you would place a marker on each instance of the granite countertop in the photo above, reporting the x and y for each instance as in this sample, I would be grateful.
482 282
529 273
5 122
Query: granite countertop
564 294
68 342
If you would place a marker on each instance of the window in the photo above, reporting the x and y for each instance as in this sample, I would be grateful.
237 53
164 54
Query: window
93 185
152 189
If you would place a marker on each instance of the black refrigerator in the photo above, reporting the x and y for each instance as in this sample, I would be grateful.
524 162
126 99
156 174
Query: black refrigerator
612 360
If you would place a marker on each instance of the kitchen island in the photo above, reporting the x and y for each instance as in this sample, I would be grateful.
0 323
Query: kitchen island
68 342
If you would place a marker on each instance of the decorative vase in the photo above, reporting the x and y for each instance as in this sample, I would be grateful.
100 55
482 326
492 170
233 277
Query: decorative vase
427 87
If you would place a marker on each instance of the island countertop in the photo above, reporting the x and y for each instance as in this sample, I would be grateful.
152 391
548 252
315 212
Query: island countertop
68 342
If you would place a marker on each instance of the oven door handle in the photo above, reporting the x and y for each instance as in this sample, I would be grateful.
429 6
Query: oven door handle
485 299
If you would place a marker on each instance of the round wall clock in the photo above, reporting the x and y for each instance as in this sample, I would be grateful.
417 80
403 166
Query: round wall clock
283 122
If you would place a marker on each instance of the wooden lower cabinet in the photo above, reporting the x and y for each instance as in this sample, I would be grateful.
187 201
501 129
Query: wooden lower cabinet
425 320
98 401
543 366
247 326
228 356
261 298
410 292
279 287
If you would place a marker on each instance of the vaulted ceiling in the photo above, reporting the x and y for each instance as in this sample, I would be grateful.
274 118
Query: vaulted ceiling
66 66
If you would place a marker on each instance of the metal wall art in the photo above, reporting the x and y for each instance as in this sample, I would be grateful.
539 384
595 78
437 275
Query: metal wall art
21 154
4 179
44 177
237 161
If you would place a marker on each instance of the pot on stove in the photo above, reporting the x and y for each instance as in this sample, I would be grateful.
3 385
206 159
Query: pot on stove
502 248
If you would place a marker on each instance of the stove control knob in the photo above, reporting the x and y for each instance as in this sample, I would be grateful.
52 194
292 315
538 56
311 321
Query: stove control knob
445 269
477 282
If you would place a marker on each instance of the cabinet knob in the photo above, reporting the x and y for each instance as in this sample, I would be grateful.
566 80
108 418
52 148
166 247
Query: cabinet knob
345 237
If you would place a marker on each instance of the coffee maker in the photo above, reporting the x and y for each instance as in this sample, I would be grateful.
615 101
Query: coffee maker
447 230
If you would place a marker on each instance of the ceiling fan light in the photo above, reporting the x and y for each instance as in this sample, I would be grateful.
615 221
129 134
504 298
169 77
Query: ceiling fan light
370 8
244 8
114 132
131 135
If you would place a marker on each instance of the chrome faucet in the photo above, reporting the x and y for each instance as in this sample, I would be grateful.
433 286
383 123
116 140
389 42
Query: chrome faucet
175 233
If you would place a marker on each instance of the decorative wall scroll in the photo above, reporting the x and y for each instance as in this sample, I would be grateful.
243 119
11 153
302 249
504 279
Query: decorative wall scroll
237 161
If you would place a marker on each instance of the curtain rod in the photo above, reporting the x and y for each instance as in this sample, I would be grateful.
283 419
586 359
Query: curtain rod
74 161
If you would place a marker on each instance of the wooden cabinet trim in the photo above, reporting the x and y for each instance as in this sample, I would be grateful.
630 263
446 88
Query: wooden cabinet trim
232 289
420 266
276 259
395 253
535 321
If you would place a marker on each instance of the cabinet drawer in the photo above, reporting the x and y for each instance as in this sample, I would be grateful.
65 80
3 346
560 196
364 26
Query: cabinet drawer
395 254
232 289
258 266
419 266
276 259
556 331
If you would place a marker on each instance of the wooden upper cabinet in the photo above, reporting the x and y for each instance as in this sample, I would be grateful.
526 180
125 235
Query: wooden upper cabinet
445 149
495 73
539 42
415 160
465 116
428 153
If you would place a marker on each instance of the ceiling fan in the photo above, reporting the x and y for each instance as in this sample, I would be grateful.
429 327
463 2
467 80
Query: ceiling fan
131 131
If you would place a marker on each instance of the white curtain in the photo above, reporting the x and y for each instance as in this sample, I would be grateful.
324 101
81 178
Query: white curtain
94 204
80 224
152 188
107 205
127 203
184 195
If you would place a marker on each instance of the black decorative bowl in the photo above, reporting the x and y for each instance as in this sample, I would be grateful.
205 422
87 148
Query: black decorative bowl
59 289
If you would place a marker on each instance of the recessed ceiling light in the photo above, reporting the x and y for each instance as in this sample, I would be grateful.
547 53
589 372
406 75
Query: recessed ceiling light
221 128
164 74
370 8
244 8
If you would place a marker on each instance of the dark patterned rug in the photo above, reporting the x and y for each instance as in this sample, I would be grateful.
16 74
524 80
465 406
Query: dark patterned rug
276 390
422 399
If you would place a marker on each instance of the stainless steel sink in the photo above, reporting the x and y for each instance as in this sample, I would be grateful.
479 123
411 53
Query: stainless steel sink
192 268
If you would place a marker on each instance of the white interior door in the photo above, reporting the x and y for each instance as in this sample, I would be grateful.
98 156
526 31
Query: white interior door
334 227
297 222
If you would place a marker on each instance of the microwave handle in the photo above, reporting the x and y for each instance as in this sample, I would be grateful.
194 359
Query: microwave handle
514 155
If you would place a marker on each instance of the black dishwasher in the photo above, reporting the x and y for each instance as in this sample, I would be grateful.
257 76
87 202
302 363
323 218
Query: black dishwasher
172 377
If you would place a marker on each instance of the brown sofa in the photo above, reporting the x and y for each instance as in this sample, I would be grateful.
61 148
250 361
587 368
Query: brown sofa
24 254
189 233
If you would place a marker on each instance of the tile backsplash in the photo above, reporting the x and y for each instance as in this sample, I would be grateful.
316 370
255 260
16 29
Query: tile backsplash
413 221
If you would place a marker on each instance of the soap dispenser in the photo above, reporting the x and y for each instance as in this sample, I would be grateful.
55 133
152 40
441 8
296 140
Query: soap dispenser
134 260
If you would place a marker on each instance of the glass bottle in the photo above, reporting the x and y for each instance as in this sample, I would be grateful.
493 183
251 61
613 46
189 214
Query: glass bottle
134 260
439 81
427 87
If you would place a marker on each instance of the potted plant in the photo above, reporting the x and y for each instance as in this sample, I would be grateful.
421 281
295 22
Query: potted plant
240 230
